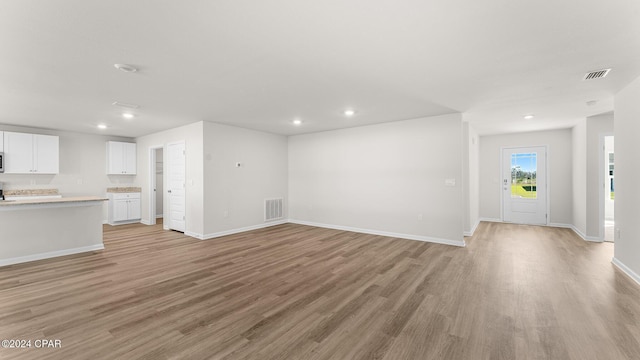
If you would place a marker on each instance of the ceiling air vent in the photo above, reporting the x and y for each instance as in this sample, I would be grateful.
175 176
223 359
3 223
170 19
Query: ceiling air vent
597 74
125 105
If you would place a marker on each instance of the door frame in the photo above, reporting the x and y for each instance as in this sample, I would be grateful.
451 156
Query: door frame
603 183
152 182
546 178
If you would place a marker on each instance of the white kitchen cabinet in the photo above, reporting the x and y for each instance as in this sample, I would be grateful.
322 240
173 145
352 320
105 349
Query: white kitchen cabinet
121 158
124 208
1 141
31 153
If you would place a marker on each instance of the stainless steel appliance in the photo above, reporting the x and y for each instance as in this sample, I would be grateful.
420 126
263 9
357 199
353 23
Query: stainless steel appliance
1 162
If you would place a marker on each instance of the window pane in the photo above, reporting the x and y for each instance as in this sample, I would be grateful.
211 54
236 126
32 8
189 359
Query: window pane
524 168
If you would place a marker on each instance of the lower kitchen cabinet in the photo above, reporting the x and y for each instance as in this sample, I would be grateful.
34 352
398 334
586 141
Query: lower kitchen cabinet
124 208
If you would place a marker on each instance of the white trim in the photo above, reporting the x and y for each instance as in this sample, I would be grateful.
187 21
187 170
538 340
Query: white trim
460 243
594 239
473 229
126 222
146 222
626 270
159 216
490 220
566 226
582 235
234 231
52 254
152 183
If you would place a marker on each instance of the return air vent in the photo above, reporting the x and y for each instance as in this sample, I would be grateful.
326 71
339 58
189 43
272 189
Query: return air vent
597 74
273 209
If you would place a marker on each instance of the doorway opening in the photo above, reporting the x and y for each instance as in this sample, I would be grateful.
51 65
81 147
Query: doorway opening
608 224
156 185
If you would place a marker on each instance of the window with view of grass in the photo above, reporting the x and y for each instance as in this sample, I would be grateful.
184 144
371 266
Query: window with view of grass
524 167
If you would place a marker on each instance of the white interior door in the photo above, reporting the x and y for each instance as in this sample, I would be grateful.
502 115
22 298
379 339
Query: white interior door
524 185
176 177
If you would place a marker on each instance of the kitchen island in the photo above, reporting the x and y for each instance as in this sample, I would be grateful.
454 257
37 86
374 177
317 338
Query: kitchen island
44 228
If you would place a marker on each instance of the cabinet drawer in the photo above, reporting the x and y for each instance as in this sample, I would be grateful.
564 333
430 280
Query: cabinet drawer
121 196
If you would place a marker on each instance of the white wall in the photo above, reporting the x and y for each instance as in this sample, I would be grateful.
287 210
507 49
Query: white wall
192 135
82 166
234 196
381 178
470 171
596 127
627 204
578 170
559 149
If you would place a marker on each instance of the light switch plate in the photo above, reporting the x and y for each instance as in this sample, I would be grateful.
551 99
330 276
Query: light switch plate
450 182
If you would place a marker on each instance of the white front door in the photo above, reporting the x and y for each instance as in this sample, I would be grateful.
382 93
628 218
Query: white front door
176 177
524 187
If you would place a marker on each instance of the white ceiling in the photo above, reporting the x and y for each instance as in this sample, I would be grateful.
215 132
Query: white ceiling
260 64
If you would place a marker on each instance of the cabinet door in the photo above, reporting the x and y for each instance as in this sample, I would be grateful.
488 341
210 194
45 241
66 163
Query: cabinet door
120 210
45 154
115 158
129 160
18 153
134 209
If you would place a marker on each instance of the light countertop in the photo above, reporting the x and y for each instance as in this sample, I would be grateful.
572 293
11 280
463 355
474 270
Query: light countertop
124 189
70 199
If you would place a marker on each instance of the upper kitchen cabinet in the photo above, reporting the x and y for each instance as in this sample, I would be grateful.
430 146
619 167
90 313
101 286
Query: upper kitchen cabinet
31 153
121 158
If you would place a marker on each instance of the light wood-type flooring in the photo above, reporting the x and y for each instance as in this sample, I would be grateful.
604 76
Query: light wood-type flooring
299 292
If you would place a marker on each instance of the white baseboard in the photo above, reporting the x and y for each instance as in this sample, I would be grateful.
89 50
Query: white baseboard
473 229
159 216
127 222
145 222
490 220
52 254
625 269
582 235
460 243
234 231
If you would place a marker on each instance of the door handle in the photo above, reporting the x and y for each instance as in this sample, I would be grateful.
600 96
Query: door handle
169 191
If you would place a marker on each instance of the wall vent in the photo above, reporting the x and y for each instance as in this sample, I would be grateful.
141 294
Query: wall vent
597 74
273 209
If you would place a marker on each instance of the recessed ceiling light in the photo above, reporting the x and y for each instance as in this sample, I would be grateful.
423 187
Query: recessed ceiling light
297 122
128 115
102 126
529 117
125 68
349 112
